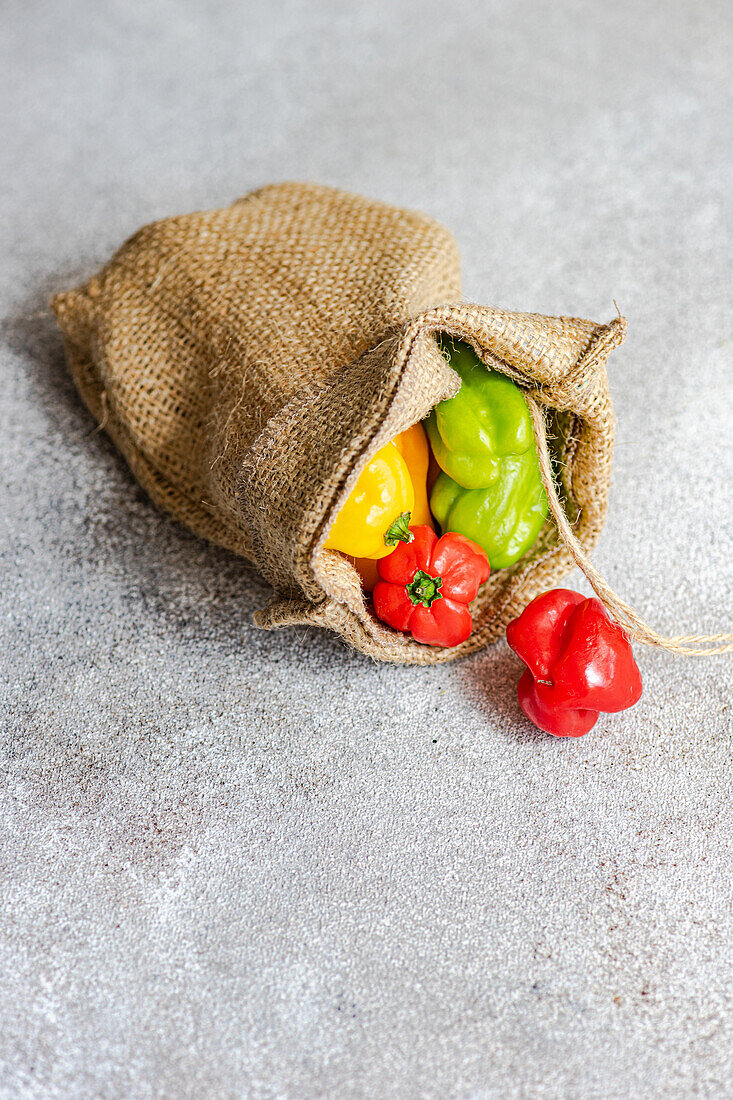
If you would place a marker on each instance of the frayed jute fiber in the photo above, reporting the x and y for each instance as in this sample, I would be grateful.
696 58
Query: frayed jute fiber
248 362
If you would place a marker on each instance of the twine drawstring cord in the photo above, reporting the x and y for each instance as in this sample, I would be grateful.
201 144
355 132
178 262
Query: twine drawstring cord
697 645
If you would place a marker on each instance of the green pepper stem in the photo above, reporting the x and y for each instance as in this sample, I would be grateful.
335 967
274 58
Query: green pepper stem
424 589
399 531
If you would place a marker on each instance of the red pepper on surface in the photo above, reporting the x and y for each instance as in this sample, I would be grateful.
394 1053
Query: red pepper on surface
426 585
579 662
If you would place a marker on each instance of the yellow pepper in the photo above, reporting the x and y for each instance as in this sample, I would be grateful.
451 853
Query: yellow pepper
391 493
376 514
413 446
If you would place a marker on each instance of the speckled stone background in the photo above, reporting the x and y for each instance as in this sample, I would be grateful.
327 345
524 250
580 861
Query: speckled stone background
239 864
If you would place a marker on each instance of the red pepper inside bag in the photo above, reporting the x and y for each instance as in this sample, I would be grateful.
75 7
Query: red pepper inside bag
579 662
426 585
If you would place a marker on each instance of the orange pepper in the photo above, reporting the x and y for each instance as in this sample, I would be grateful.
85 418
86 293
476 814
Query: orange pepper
414 448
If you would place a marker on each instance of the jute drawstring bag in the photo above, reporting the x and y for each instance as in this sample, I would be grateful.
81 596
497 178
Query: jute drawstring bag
249 361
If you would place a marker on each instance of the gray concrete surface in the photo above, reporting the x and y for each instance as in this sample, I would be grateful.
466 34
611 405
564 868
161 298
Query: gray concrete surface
238 864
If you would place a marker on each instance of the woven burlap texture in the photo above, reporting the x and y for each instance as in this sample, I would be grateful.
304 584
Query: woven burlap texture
249 361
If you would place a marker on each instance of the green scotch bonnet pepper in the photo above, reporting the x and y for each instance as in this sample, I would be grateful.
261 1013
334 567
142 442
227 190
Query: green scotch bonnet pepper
489 488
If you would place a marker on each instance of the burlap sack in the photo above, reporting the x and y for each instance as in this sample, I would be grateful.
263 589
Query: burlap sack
249 361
